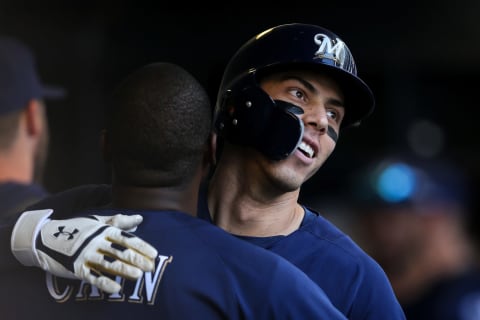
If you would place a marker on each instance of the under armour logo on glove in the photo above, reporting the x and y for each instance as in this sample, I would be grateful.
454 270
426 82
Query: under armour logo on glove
69 234
96 247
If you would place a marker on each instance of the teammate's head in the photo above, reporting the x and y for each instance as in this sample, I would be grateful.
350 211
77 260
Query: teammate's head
22 95
159 124
278 49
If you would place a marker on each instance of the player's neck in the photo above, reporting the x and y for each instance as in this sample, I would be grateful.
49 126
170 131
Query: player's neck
243 212
16 167
158 199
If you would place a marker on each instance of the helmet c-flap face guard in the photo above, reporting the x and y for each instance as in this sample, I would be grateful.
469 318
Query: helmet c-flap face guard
254 119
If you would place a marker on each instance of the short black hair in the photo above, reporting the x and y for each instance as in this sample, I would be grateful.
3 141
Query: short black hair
159 121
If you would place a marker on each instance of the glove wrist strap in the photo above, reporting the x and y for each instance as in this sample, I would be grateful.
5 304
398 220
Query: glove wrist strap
25 232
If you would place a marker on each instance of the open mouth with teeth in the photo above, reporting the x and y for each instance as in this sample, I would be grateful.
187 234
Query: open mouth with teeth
306 149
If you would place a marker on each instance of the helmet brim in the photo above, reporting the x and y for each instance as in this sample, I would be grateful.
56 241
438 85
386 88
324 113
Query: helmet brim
359 99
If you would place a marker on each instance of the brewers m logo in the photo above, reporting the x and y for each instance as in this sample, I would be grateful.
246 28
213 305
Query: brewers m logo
331 49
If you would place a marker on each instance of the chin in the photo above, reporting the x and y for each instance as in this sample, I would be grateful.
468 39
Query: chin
288 183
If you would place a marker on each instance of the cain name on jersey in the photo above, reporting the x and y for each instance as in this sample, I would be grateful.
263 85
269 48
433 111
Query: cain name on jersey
144 289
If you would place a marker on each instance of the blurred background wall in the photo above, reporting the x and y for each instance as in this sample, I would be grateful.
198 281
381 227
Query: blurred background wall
422 60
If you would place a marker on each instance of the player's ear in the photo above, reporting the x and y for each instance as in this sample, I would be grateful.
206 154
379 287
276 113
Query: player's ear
105 146
213 148
210 158
34 115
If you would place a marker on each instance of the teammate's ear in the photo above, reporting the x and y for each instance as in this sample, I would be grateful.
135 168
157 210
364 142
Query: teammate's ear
33 117
213 148
105 146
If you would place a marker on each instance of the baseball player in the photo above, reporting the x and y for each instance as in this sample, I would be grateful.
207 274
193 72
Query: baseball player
157 142
24 136
264 157
285 97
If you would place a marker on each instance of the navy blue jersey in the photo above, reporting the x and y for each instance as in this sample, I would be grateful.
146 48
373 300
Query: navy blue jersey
202 272
15 197
353 281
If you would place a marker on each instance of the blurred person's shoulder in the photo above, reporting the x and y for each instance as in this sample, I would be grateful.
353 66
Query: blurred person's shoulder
17 196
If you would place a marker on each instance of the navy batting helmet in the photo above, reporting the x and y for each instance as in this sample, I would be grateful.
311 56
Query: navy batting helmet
285 46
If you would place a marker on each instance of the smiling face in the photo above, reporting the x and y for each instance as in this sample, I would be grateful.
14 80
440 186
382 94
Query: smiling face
322 102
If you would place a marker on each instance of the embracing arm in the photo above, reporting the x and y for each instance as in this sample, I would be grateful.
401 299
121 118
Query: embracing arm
90 248
70 202
65 204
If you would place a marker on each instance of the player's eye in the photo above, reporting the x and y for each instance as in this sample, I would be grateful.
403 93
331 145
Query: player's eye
334 115
297 93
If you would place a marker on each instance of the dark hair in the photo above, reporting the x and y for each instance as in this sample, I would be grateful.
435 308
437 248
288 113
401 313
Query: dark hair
159 123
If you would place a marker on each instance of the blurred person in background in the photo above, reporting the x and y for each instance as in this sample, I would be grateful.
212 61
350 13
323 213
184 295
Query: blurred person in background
23 127
412 220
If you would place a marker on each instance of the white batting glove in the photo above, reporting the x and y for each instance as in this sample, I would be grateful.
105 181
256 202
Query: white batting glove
83 248
122 221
